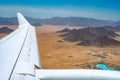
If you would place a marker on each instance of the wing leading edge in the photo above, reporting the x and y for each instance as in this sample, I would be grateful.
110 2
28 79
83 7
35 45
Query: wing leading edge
19 58
19 53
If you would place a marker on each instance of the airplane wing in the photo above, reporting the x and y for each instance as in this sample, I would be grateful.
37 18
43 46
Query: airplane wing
19 59
19 51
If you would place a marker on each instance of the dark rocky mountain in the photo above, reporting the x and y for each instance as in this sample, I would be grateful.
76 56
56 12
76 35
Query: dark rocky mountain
116 23
97 36
65 30
6 30
111 28
100 42
71 21
8 21
14 21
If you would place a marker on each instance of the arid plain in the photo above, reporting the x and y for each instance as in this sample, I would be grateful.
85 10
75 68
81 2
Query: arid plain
57 53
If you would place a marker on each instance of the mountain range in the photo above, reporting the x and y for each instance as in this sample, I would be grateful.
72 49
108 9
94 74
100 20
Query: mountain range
93 36
70 21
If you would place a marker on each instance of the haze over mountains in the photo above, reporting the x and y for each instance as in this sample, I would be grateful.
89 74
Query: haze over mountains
93 34
70 21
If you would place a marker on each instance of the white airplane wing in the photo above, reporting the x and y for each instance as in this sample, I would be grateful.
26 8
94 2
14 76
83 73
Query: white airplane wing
19 59
19 51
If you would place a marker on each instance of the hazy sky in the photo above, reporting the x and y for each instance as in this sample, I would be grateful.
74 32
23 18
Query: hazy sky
100 9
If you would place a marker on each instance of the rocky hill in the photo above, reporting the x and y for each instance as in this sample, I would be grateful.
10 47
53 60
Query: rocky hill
6 30
98 36
64 30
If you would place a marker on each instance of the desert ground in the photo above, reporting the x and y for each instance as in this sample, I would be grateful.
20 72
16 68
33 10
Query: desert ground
56 53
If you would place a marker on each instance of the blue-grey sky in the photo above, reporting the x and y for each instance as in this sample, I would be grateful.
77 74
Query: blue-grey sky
100 9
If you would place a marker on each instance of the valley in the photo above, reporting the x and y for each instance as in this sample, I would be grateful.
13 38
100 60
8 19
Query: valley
56 52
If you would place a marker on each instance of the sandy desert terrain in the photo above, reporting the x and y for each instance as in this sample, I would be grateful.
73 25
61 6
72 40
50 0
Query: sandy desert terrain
57 53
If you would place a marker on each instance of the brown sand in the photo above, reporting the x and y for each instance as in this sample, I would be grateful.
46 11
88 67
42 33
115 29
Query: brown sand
59 54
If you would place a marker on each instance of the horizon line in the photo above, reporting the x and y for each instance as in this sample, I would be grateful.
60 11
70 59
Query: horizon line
61 17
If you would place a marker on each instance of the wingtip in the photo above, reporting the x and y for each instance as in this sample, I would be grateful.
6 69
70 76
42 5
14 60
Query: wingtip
21 19
18 13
